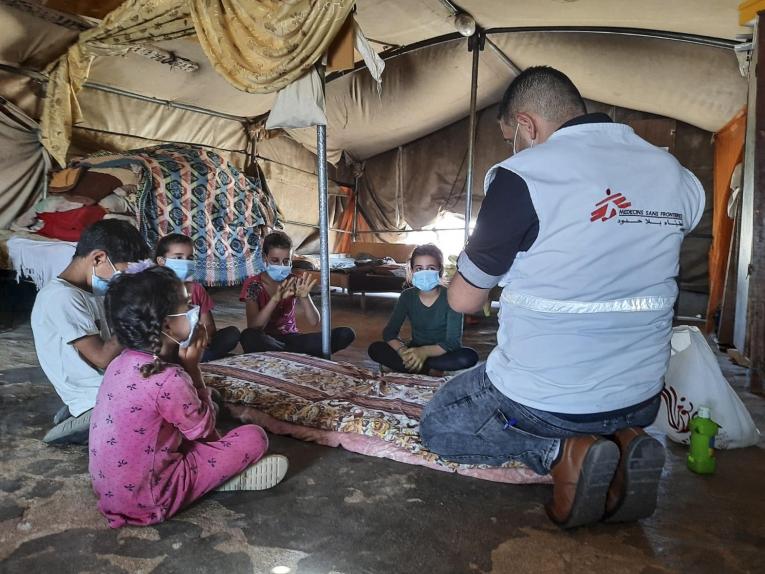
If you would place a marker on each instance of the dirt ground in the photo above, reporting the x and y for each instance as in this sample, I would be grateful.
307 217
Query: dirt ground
338 512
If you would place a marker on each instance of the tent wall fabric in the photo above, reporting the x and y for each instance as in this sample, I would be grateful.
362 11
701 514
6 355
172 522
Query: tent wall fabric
422 92
416 21
135 22
409 186
204 87
290 171
117 123
697 84
729 148
109 112
640 73
30 41
428 89
259 46
24 163
23 91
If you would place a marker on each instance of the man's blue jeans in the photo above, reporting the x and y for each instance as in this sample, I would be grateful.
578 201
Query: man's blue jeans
470 421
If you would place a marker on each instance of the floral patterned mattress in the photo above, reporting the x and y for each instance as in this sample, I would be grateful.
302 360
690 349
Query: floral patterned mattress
338 404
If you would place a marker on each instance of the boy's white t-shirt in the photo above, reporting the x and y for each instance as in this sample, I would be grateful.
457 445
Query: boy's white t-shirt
63 313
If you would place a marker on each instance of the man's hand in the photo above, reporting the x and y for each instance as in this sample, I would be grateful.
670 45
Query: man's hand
304 285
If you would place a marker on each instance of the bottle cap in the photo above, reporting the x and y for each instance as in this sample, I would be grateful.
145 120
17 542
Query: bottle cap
703 413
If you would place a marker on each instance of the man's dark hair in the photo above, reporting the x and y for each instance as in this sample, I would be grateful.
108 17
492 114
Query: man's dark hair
545 91
163 245
120 240
278 240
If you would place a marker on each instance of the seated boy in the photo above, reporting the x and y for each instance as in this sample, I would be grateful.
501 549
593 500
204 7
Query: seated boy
176 251
272 298
72 339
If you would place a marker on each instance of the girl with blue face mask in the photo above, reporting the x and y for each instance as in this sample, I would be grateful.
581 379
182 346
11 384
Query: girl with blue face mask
272 300
436 343
176 252
154 448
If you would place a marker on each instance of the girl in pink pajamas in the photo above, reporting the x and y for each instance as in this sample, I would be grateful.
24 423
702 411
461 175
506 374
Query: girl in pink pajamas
153 444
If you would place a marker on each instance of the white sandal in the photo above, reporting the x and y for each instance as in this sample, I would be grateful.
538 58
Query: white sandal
266 473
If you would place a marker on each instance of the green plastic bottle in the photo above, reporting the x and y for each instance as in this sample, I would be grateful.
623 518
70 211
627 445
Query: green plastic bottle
701 458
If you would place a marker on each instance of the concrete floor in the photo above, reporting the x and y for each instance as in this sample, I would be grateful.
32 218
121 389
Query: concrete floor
339 512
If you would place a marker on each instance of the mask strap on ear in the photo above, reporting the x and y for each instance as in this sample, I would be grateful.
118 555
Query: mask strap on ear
515 135
173 339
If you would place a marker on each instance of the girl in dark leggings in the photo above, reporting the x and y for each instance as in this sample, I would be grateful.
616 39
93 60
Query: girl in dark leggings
176 251
273 297
436 343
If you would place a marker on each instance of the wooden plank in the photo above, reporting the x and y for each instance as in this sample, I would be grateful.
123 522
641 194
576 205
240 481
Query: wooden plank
756 319
660 132
85 7
748 9
728 306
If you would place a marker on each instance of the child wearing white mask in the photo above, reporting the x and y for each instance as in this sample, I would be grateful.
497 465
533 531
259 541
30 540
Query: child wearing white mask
436 343
272 299
176 251
73 340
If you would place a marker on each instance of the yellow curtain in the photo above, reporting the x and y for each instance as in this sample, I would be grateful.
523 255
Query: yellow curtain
134 22
260 46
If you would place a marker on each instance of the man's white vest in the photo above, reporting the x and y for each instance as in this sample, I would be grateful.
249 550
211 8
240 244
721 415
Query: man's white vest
586 312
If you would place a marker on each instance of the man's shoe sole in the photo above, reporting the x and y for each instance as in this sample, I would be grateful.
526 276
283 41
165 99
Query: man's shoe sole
266 473
595 477
645 461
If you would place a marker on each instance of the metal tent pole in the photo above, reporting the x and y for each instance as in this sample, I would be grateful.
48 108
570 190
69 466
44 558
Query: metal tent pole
355 207
475 44
326 307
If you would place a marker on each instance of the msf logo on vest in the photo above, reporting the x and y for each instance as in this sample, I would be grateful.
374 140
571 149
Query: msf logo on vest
608 207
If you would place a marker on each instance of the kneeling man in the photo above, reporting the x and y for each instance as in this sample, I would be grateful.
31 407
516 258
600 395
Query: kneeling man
582 228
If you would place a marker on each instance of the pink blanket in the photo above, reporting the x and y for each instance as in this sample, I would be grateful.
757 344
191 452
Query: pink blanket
338 404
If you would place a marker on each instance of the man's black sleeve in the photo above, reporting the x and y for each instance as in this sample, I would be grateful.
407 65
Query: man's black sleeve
507 224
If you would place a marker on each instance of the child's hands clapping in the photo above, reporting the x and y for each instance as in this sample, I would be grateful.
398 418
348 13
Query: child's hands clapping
285 289
304 285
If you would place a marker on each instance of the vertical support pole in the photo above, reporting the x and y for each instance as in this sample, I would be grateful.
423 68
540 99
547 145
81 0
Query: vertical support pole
475 45
321 170
741 321
756 208
355 207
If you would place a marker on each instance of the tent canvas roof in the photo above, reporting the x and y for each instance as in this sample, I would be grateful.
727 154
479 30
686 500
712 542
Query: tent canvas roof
427 89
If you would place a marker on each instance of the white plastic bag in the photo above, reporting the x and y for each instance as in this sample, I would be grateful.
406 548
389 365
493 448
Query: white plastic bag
694 379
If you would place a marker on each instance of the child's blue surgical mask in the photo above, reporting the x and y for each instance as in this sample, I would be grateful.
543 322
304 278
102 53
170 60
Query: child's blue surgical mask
278 272
99 285
426 280
183 268
192 316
